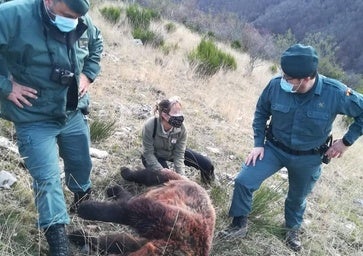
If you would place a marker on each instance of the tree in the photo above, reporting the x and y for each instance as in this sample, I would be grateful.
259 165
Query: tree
326 48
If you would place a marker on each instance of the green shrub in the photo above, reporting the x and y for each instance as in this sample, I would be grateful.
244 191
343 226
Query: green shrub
236 44
170 27
139 17
6 128
111 14
274 68
265 200
101 129
266 207
330 69
167 48
209 59
211 34
148 37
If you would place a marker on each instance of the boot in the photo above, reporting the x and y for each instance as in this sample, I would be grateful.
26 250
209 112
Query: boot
292 240
208 176
237 229
57 240
78 198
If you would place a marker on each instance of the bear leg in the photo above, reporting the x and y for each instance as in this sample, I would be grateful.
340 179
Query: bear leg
149 177
110 243
114 211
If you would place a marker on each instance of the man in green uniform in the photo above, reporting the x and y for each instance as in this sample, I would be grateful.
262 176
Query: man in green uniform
51 52
301 105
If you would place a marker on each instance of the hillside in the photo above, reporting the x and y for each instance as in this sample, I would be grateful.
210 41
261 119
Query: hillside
219 112
340 19
330 18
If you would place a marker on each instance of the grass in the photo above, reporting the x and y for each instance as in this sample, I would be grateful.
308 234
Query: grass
101 129
219 111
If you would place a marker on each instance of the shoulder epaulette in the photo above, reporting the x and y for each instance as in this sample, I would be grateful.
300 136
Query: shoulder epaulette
348 91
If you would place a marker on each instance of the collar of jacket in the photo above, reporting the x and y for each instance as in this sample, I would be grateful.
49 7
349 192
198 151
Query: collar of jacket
319 84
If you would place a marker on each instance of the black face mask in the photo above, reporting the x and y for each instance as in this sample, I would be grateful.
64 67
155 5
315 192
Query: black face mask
176 121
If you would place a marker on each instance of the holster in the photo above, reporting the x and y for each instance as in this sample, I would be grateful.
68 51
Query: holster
323 148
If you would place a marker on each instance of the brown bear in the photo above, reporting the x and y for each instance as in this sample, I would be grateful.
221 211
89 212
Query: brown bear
174 218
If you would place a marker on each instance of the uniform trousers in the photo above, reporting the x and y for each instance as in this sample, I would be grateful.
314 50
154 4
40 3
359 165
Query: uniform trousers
303 172
40 145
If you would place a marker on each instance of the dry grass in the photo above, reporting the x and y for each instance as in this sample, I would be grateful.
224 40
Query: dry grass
219 113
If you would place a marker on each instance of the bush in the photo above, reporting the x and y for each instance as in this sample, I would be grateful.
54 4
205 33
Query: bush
209 59
111 14
148 37
6 129
266 198
236 44
167 48
140 18
330 69
170 27
101 129
210 34
274 68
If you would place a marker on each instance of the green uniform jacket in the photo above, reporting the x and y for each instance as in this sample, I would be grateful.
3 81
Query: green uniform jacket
304 121
30 46
170 147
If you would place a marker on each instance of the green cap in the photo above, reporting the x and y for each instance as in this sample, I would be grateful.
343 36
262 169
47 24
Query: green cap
78 6
299 61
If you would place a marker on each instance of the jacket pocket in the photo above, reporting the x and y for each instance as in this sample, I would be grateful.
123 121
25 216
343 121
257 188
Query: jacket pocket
318 122
280 108
281 116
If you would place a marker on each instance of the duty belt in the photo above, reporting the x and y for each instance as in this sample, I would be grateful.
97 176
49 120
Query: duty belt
291 151
318 150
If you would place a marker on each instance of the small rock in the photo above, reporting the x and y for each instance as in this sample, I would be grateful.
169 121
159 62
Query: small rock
232 157
283 173
6 179
98 153
6 143
359 202
137 41
214 150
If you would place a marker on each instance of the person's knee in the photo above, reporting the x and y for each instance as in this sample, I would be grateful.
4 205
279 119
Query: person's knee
247 182
81 165
241 179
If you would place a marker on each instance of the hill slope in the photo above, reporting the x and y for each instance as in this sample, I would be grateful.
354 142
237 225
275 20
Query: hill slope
340 19
219 113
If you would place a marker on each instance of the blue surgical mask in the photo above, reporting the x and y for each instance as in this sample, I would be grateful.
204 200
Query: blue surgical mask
286 86
65 24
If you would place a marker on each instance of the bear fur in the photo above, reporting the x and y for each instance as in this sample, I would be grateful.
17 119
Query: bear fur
174 218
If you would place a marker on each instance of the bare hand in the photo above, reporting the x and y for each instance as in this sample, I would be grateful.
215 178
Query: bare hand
84 84
337 149
256 153
20 93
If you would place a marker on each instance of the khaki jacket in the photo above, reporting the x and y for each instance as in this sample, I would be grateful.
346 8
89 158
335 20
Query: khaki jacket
169 146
